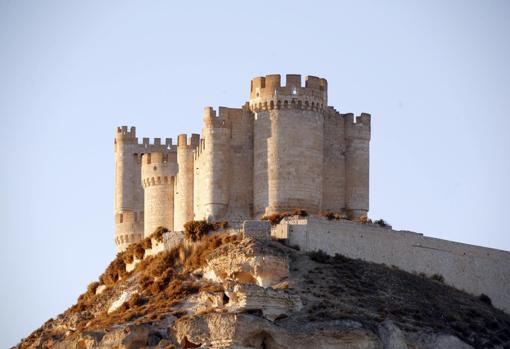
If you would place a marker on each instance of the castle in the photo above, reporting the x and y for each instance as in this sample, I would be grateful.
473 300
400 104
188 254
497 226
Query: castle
283 149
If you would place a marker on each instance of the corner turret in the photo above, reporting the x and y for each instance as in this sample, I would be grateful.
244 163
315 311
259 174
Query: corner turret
183 206
158 172
267 92
357 159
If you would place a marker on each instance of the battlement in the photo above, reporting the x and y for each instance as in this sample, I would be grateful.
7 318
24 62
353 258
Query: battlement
211 120
283 148
357 127
182 140
125 134
154 158
267 92
158 168
216 132
156 144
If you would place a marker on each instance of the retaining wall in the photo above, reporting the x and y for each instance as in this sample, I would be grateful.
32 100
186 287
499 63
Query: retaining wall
473 269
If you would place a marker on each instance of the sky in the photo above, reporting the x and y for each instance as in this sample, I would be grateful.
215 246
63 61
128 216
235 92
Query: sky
435 75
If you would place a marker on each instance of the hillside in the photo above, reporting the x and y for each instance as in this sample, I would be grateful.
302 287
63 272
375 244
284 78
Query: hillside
233 291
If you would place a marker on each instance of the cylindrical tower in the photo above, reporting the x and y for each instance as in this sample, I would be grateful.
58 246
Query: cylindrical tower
183 205
333 180
158 172
357 158
215 171
128 190
288 143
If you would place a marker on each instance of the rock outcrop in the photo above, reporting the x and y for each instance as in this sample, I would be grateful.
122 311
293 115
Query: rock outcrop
245 291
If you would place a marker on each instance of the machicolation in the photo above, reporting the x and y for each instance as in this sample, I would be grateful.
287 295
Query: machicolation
248 162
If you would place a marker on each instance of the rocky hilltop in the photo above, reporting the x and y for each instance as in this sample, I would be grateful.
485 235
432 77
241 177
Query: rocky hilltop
238 290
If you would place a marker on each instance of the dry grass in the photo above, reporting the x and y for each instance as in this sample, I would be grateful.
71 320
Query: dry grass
276 218
220 225
338 288
158 234
330 215
161 282
196 230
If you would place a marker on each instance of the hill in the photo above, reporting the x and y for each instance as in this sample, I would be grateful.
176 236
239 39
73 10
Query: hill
237 291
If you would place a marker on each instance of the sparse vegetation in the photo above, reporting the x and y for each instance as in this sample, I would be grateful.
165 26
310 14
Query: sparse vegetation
196 230
342 288
147 243
438 278
220 225
330 215
300 212
160 281
382 223
158 234
274 219
319 256
486 299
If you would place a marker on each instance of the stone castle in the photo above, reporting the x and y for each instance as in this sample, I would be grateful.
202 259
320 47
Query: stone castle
284 149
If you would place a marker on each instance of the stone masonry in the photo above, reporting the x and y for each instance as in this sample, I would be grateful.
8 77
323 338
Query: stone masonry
284 149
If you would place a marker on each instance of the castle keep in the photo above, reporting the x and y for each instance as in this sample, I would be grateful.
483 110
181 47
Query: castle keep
283 149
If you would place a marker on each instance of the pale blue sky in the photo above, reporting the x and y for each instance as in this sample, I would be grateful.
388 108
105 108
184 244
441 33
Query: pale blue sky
434 74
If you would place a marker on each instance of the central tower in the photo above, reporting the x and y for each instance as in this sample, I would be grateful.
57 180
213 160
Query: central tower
288 143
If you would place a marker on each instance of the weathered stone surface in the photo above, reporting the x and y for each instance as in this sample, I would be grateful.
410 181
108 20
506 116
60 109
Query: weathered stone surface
258 264
242 330
248 162
474 269
227 301
440 341
124 297
257 229
391 336
272 302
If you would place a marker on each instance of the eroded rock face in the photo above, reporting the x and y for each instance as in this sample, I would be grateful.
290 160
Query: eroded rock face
226 330
248 263
245 296
273 303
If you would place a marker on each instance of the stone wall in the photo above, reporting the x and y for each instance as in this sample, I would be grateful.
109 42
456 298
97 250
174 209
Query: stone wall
241 167
473 269
158 173
284 149
333 172
183 192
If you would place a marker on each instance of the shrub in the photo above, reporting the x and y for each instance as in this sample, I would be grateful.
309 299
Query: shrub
485 299
220 225
274 219
196 230
128 258
438 278
135 301
91 288
329 215
382 223
139 251
319 256
363 219
147 243
158 234
300 212
115 270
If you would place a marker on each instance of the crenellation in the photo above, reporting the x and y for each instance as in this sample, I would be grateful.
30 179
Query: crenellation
283 149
